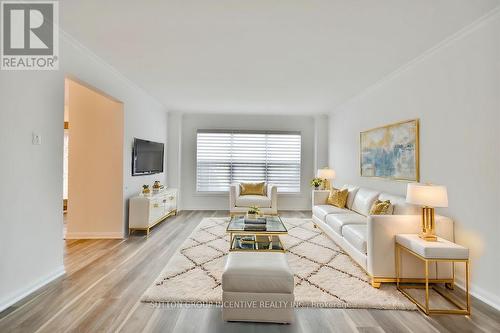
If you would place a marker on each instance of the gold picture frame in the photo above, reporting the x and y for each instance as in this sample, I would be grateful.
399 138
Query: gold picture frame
391 152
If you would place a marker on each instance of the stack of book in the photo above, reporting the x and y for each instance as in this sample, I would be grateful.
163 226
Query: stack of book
257 224
253 242
245 242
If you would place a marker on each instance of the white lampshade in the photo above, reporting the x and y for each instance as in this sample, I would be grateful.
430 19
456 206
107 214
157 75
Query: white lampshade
427 195
326 173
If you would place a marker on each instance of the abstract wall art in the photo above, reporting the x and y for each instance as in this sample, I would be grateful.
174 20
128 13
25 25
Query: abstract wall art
391 151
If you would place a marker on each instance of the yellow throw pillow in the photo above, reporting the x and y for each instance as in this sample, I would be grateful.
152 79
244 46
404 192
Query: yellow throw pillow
338 198
253 188
381 208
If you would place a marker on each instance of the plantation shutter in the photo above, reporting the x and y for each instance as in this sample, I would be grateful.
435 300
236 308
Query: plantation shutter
224 157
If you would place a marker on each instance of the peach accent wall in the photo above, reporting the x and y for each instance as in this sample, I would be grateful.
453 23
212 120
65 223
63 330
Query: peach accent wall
95 182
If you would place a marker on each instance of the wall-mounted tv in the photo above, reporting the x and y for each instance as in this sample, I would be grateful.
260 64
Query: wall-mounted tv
147 157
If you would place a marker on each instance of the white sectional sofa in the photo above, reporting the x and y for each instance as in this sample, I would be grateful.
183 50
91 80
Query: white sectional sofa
369 240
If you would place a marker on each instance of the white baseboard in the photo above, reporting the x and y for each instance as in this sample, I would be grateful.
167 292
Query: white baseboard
480 293
94 235
22 293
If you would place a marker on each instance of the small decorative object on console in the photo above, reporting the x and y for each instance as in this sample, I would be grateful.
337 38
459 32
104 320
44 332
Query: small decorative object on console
316 183
145 189
157 186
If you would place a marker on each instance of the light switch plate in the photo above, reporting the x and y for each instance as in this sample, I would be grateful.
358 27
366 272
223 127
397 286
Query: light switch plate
36 139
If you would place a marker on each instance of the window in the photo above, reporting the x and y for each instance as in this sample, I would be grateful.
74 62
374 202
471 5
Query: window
224 157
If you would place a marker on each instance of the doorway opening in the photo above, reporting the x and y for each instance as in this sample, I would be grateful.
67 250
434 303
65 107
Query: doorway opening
93 163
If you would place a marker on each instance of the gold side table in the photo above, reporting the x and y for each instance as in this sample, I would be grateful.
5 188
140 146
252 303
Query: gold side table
245 237
438 251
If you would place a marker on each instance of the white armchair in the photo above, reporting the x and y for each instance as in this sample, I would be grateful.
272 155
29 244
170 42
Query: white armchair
239 204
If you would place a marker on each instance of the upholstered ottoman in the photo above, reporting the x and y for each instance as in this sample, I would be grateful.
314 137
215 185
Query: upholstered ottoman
257 286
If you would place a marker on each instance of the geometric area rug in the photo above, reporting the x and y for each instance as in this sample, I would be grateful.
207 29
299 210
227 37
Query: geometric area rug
325 276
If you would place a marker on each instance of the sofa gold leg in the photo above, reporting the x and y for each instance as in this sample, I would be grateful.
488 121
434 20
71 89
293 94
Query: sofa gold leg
376 284
315 226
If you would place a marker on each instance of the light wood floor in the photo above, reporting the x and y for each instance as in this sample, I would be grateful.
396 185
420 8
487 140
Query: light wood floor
105 279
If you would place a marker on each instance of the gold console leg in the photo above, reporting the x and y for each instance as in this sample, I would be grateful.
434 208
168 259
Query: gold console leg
376 284
451 285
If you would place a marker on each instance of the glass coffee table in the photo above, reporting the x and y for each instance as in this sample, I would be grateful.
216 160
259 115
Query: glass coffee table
253 235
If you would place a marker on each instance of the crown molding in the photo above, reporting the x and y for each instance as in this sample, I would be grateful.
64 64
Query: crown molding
465 31
64 36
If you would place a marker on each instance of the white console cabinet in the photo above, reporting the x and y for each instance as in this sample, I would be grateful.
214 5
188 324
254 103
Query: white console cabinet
147 210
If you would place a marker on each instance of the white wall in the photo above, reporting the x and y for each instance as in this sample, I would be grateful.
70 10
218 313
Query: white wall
145 118
174 150
320 141
455 92
190 123
31 245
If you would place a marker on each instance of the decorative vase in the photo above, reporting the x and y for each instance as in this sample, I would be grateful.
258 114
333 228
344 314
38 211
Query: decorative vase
252 216
146 190
316 188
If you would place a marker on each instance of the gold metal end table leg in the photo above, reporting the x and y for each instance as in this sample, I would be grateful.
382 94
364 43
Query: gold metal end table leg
397 263
467 277
426 287
451 285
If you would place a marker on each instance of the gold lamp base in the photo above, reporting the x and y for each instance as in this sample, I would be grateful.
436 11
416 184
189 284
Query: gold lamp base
428 226
326 184
429 238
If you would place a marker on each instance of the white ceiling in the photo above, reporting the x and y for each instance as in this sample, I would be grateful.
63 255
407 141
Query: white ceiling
256 56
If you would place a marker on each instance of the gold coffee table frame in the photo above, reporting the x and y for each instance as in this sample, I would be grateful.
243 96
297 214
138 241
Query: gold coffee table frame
461 310
234 234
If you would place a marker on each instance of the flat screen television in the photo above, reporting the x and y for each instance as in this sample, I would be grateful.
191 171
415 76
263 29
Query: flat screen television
147 157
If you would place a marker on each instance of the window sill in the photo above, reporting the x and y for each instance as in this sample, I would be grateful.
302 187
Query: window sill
226 194
211 194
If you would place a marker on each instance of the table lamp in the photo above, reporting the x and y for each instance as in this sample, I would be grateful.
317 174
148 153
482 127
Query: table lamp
428 196
326 174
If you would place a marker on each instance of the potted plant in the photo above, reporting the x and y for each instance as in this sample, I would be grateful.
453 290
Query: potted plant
253 212
316 183
145 189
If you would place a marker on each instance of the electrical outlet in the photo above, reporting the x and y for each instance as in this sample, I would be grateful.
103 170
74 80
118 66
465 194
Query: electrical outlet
36 139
